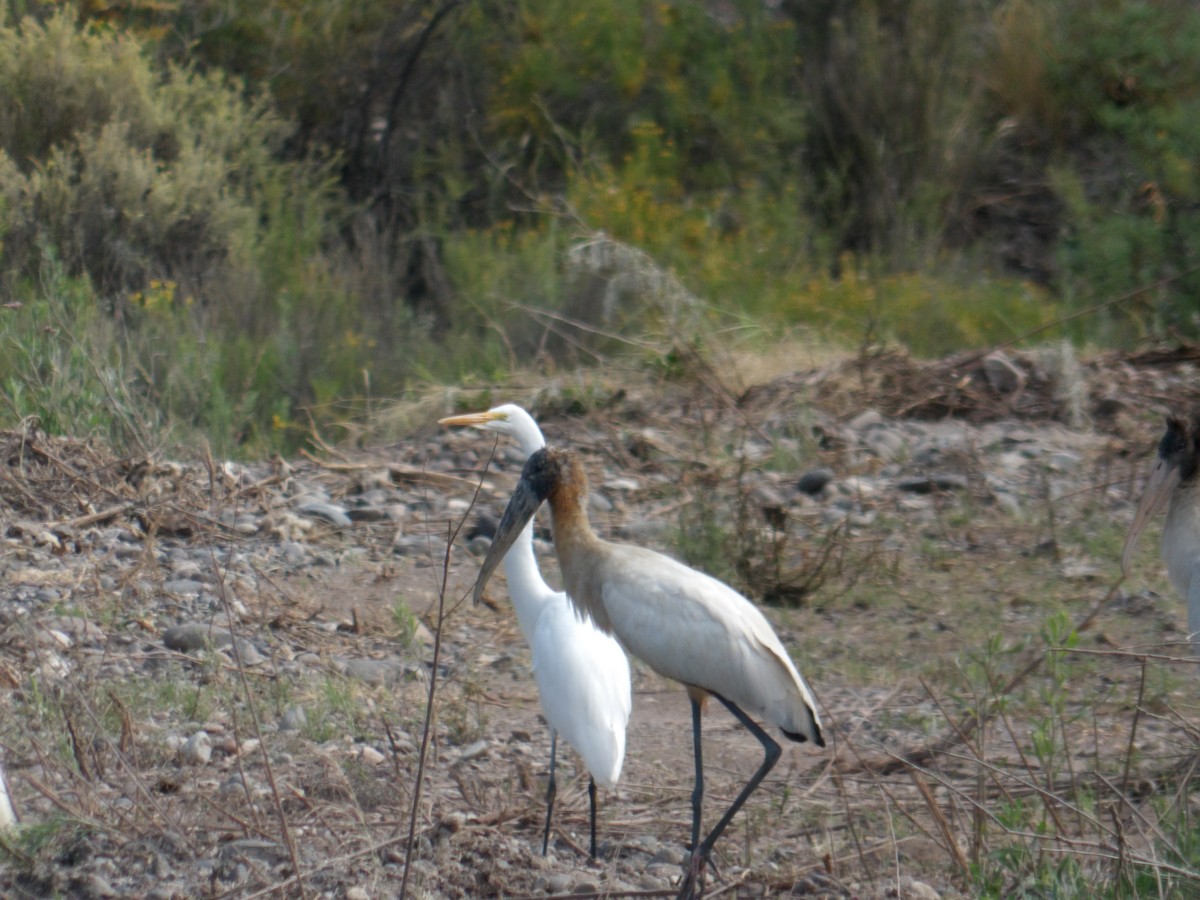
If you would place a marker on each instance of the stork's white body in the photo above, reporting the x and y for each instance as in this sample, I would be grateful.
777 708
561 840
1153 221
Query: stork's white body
1174 480
717 640
1181 551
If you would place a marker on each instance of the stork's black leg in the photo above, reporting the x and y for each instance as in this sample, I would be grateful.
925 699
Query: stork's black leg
551 790
688 888
592 798
692 886
771 753
698 790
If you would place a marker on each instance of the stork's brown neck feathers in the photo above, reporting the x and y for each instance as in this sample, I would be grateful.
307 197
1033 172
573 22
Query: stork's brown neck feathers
581 553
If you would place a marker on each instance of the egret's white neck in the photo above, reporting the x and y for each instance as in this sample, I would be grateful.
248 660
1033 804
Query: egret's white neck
529 592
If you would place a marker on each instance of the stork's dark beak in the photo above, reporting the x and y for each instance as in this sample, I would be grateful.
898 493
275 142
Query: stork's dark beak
1163 480
520 510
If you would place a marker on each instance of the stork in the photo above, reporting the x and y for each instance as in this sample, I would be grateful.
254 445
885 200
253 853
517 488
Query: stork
684 624
1173 481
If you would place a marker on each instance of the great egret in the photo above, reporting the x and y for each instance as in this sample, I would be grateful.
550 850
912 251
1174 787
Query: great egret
1174 478
8 816
582 674
683 623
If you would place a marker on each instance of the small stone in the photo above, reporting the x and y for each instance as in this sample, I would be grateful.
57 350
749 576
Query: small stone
191 636
97 886
473 751
247 653
371 671
293 719
1079 570
184 587
197 750
371 757
558 884
1064 461
357 893
911 889
927 484
814 481
1002 375
866 419
334 515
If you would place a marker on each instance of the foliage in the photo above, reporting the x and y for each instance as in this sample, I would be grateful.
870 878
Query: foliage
1105 99
284 207
60 362
887 84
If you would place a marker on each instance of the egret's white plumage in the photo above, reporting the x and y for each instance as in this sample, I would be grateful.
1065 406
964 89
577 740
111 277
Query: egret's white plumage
1175 480
581 673
683 623
8 816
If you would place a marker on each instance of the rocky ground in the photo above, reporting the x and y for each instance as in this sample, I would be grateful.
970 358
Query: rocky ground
215 678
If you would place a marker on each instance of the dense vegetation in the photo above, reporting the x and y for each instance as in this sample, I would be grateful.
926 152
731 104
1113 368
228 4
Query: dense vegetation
232 217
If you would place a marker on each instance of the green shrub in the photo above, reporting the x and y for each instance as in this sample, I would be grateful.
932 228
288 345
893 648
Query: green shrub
61 362
1099 104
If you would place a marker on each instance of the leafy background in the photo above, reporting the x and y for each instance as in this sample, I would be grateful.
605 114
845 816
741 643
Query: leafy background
228 221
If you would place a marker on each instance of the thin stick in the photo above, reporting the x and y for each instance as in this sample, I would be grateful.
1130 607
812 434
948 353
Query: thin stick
452 535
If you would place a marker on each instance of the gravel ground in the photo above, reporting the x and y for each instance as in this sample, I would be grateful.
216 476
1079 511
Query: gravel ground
214 676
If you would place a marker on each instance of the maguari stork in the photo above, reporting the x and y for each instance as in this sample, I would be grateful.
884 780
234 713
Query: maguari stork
1173 481
684 624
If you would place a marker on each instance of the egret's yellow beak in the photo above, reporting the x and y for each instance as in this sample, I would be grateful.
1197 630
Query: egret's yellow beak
475 420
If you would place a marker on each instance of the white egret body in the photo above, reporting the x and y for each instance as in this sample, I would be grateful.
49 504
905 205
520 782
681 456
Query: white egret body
8 816
683 623
1175 478
582 674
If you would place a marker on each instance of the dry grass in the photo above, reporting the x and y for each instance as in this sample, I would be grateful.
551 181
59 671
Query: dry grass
1005 718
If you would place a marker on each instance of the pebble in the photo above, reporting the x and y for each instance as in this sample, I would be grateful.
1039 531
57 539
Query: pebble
371 671
190 637
184 586
927 484
293 719
815 480
559 884
371 757
473 751
334 515
197 750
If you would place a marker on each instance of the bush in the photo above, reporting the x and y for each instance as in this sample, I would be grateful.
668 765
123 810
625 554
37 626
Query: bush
1098 115
129 174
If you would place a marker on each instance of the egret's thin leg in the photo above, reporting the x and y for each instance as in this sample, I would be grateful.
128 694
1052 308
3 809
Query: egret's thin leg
592 798
551 790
